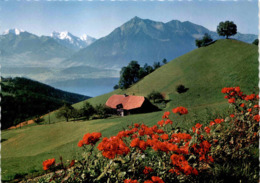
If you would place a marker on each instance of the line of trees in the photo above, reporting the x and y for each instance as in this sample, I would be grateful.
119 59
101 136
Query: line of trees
87 111
133 73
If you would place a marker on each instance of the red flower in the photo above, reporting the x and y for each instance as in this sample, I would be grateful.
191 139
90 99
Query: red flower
257 117
180 110
80 144
218 121
242 105
168 122
207 129
91 138
232 115
160 122
48 163
136 125
135 142
164 136
249 110
157 179
250 97
212 123
166 114
198 125
130 181
195 172
72 163
147 170
232 100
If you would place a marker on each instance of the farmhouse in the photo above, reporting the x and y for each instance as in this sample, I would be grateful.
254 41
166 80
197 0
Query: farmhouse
129 104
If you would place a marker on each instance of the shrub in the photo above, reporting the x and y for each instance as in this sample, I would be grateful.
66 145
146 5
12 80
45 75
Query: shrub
181 88
155 96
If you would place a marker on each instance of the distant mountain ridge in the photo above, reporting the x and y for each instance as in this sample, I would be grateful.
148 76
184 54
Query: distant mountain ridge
23 48
146 41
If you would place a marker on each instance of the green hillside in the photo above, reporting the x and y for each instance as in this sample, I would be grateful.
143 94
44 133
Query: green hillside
23 99
205 71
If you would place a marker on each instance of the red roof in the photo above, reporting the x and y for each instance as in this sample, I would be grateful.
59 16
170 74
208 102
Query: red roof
129 102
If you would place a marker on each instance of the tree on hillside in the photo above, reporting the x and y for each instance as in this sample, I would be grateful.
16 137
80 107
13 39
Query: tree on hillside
155 96
256 41
204 41
148 69
227 28
87 110
65 112
129 75
164 61
156 65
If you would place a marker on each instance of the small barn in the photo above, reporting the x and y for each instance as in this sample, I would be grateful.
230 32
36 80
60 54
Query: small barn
130 104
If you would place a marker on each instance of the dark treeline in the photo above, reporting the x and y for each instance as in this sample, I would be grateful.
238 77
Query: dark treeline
23 99
133 73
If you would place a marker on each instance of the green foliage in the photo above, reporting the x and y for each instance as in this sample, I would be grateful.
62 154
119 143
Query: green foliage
88 110
204 41
155 96
65 112
227 28
102 111
115 87
255 42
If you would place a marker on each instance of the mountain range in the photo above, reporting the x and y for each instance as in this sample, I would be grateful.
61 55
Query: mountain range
146 41
58 58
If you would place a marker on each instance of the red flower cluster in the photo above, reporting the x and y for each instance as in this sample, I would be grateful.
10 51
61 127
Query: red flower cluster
180 110
130 181
166 115
154 180
113 146
48 163
90 138
147 170
138 143
182 165
178 137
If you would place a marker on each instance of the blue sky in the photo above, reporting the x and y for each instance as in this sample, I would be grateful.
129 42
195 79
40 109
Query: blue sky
98 19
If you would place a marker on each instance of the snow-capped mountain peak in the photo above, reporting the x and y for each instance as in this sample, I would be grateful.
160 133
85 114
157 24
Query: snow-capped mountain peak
62 35
13 31
71 41
88 39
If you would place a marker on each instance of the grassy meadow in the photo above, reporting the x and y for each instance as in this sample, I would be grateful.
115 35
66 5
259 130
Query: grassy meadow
205 71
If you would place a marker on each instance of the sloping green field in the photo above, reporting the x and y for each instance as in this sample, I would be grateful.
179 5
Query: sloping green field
205 71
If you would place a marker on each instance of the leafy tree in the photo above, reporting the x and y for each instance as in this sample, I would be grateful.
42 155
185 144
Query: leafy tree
116 87
255 42
156 65
227 28
154 95
129 74
65 112
148 69
103 111
164 61
87 110
204 41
